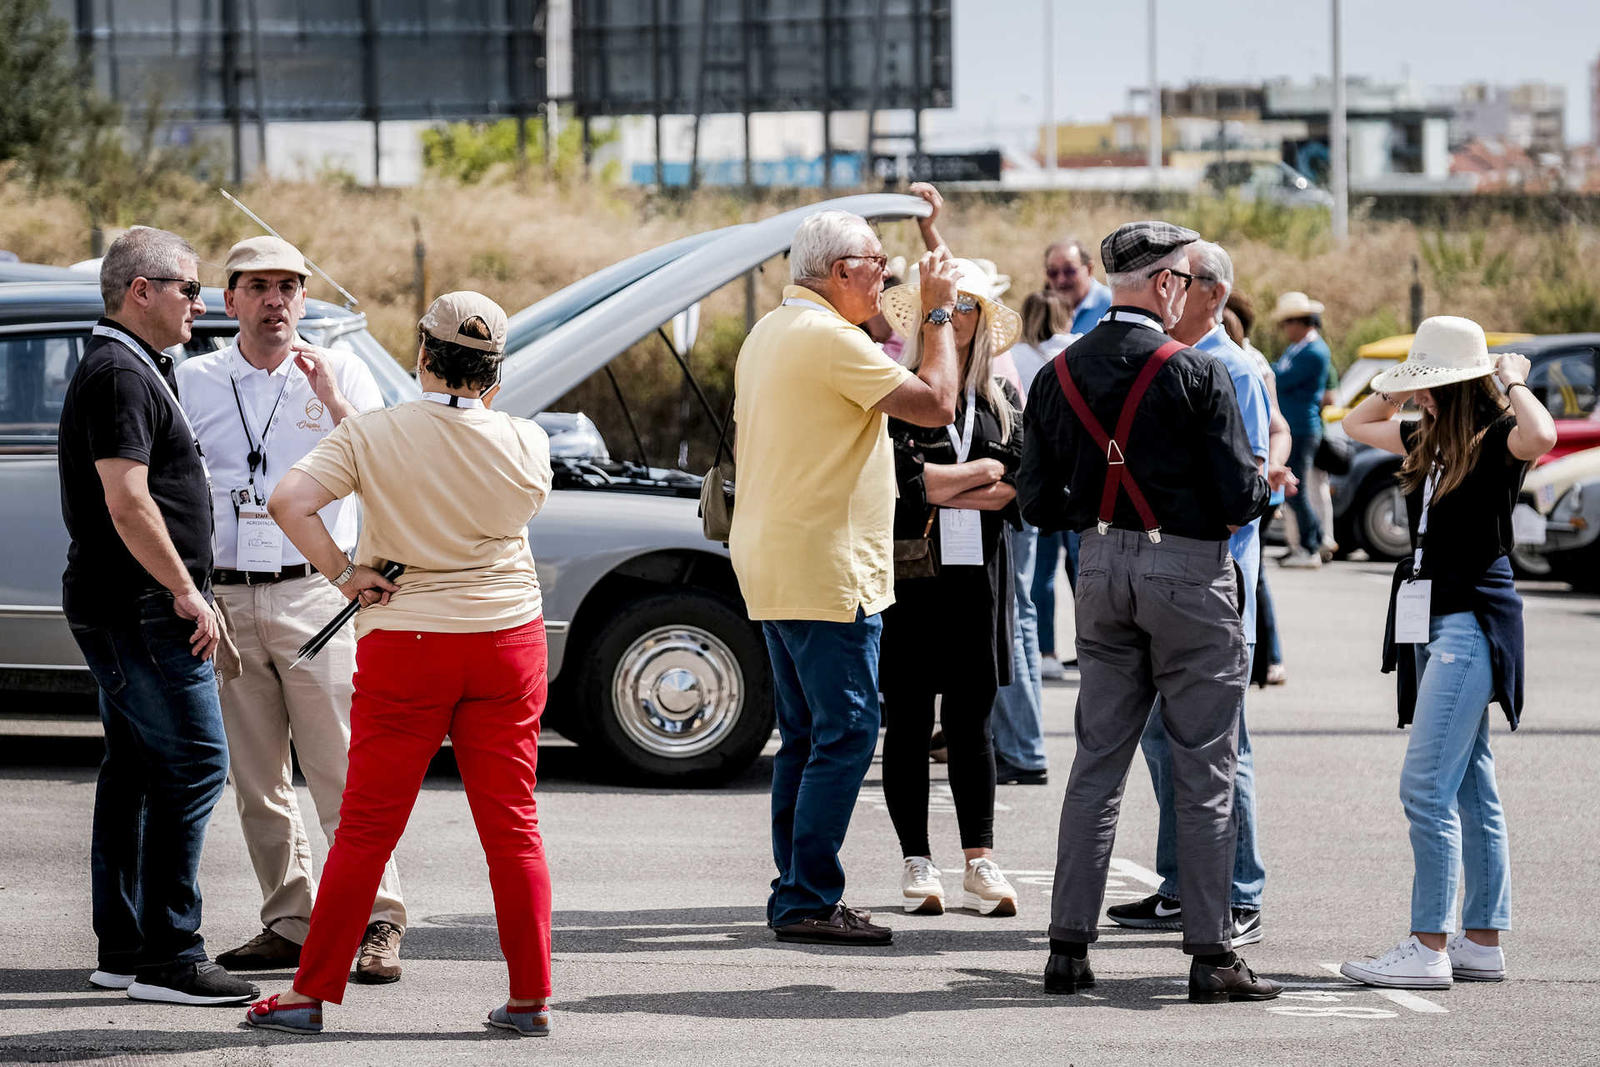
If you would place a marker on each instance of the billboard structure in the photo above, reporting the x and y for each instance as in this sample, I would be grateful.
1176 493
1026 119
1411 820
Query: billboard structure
701 57
260 61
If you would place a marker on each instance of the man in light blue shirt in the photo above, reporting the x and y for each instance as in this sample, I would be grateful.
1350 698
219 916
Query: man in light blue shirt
1069 270
1201 328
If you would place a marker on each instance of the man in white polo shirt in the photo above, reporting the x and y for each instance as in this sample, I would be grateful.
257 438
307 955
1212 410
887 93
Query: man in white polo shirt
258 407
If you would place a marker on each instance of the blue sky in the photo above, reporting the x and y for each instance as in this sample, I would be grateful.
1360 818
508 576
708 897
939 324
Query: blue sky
1101 49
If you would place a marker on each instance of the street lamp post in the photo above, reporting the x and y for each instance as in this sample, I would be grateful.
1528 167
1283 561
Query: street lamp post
1338 163
1154 156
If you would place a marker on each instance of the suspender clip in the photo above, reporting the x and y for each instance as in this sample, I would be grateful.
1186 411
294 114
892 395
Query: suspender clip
1154 535
1114 457
1103 527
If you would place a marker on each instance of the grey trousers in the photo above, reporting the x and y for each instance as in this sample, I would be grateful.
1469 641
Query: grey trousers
1154 618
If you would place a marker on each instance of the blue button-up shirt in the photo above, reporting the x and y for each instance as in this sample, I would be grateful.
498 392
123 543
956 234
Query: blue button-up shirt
1091 309
1254 406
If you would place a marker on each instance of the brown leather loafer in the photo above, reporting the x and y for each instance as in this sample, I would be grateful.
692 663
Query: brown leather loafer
266 951
378 962
842 926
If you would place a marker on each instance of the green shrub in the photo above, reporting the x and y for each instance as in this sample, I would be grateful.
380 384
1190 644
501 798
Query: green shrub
471 151
1570 305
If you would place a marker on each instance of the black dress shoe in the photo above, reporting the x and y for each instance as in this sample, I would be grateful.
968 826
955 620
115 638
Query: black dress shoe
1005 774
842 926
1066 974
266 951
1214 985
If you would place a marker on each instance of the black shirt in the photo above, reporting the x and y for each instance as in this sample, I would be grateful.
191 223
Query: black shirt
116 407
1469 528
1187 450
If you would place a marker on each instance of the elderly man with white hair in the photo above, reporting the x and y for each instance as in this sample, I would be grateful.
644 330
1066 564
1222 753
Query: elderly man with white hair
1134 439
1201 327
812 539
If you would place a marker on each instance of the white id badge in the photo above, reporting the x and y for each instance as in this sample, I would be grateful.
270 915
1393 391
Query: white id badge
960 537
260 542
1411 612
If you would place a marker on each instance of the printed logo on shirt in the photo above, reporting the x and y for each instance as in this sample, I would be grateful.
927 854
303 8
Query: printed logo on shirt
314 409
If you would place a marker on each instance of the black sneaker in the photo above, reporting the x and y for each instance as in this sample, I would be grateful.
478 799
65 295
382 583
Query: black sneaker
1246 927
1214 985
192 983
1067 974
1154 912
1005 774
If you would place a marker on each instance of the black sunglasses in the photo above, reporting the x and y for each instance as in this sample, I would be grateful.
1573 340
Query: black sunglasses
1188 279
190 287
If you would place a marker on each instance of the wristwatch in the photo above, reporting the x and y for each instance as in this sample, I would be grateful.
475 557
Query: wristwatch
939 316
345 575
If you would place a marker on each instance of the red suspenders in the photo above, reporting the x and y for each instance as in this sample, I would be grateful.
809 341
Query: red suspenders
1115 448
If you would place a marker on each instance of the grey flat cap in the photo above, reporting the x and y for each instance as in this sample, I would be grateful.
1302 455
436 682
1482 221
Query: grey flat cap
1139 244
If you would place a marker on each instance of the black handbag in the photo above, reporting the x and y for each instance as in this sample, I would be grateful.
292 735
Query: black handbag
913 556
1334 455
716 489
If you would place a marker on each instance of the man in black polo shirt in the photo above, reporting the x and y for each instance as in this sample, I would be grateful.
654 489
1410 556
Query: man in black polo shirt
136 593
1136 441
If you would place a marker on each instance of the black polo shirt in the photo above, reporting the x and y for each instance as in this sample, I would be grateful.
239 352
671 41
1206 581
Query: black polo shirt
1187 450
117 407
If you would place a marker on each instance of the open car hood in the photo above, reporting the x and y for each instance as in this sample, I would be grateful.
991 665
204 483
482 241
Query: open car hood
561 340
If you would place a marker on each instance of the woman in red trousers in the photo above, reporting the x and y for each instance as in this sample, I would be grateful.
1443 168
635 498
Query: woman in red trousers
455 648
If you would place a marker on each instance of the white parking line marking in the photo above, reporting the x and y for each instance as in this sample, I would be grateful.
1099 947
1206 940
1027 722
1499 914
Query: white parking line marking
1130 869
1403 997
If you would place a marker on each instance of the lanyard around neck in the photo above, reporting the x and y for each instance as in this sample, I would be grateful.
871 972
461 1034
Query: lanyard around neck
963 443
450 400
126 339
1134 318
1428 489
802 302
258 450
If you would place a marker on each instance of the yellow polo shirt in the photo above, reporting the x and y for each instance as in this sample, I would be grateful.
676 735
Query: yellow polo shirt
812 533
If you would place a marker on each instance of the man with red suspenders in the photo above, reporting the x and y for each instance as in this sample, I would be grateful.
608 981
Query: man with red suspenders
1136 441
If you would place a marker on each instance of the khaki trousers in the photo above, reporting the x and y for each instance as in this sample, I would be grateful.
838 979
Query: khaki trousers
262 710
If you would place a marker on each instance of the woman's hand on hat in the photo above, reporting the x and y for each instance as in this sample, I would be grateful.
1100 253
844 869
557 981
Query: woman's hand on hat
936 277
368 584
1512 369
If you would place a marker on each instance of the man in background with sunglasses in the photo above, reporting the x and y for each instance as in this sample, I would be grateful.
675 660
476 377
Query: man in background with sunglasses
1069 270
137 597
259 406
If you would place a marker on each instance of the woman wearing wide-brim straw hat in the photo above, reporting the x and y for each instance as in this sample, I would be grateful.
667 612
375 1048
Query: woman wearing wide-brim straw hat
455 649
950 634
1454 604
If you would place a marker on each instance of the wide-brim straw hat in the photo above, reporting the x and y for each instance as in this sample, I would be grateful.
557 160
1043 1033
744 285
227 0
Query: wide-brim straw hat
1446 349
902 305
1295 306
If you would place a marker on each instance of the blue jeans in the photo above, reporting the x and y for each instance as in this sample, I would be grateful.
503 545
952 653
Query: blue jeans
1447 785
825 686
1302 452
1267 614
1249 876
1043 586
1017 723
165 763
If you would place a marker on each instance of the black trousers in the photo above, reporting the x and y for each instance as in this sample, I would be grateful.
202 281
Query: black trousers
964 715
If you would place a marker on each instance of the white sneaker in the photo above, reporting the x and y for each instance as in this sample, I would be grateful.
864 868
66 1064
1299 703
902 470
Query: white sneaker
1301 561
1472 962
109 980
1051 670
985 890
921 892
1409 965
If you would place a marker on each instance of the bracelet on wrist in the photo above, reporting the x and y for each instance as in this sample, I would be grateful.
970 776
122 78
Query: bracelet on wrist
1513 385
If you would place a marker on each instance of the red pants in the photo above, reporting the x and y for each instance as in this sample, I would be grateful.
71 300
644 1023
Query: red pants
485 691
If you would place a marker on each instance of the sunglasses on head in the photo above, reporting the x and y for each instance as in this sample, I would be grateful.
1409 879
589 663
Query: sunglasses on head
190 287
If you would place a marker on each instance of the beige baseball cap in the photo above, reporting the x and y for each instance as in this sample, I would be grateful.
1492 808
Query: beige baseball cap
265 253
446 314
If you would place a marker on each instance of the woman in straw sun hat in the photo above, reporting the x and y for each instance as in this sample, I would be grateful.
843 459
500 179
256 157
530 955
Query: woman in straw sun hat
1454 604
950 634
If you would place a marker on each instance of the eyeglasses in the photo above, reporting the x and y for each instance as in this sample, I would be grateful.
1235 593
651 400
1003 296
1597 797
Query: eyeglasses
1061 272
190 287
1188 279
880 263
260 287
965 304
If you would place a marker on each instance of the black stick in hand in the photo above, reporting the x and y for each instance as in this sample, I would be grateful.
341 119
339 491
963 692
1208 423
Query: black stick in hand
309 650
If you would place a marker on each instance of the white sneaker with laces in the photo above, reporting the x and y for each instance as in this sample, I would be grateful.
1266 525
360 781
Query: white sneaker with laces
1300 560
921 892
985 890
1051 670
1409 965
1472 962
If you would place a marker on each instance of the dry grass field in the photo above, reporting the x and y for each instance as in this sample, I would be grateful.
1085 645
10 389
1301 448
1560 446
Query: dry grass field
520 243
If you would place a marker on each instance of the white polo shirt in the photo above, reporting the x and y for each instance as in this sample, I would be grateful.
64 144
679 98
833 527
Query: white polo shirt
282 410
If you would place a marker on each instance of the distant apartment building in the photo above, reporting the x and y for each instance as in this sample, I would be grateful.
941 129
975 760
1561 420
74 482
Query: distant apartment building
1531 116
1396 138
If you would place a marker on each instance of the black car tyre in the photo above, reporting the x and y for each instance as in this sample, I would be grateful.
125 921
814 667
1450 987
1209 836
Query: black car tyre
1380 520
677 688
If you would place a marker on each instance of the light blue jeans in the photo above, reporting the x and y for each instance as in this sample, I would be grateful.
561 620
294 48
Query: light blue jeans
1249 876
1447 785
1017 723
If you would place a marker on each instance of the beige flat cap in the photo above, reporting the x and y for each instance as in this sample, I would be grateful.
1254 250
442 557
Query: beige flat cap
447 314
265 253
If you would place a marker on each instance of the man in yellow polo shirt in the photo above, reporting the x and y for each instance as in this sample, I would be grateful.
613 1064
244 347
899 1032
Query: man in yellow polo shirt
812 542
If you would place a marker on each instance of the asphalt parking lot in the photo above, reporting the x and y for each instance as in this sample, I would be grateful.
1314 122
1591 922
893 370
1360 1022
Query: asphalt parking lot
661 955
